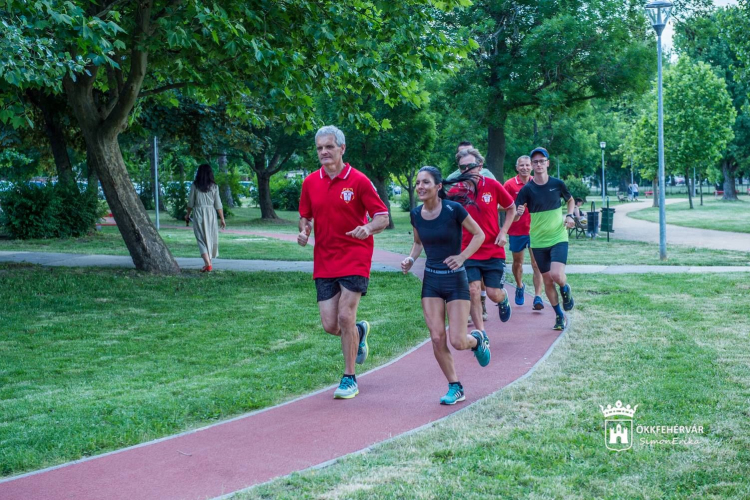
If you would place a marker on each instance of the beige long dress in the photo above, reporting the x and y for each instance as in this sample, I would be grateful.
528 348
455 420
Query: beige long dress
205 224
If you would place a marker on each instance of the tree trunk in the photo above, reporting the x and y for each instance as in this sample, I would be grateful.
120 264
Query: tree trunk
700 188
655 191
730 189
224 187
688 181
50 109
263 179
496 149
382 189
92 177
144 243
412 196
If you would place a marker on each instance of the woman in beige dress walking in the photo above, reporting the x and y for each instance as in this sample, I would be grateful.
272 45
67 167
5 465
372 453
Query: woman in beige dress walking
204 202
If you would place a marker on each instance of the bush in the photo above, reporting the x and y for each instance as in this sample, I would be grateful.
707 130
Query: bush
285 194
49 211
176 196
405 203
577 187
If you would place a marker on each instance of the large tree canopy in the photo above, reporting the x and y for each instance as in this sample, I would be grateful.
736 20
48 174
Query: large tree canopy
280 54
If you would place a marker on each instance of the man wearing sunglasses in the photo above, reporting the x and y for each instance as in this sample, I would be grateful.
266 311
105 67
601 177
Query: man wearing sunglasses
467 145
548 231
488 263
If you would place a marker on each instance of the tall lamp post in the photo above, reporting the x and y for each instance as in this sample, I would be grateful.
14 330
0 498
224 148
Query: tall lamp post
604 183
659 13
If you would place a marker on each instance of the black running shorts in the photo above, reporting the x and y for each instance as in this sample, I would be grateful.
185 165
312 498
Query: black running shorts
449 287
546 256
492 271
328 287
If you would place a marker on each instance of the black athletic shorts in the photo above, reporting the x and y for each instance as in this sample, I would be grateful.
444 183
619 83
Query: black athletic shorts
446 285
492 271
328 287
546 256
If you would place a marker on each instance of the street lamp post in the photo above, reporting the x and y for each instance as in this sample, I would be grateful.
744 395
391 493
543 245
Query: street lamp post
659 13
604 183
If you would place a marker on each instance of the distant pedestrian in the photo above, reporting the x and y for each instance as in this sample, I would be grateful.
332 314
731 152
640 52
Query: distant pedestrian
630 192
335 202
204 203
438 229
635 191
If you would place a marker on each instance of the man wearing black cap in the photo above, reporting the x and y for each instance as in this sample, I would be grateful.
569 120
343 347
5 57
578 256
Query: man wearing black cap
548 232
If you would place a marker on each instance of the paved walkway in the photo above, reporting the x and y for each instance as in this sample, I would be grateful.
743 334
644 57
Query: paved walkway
84 260
628 228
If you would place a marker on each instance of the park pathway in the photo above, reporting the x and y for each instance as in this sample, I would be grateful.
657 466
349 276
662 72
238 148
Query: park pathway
396 398
628 228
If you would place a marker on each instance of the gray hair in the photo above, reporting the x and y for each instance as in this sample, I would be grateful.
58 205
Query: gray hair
334 131
470 152
523 157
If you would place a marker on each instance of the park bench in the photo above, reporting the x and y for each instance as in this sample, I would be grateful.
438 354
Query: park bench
718 193
650 192
579 229
622 197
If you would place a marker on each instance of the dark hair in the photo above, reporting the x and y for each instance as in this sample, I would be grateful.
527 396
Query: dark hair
463 196
579 200
464 143
204 178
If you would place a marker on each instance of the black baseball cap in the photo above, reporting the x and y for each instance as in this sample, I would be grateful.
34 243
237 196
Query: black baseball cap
539 150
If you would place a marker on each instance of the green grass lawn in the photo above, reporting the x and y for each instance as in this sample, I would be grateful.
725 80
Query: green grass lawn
714 214
95 360
232 246
677 348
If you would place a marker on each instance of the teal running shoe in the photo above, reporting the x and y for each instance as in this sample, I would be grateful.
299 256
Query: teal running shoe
538 303
559 322
482 350
347 389
454 395
505 311
567 297
519 295
363 350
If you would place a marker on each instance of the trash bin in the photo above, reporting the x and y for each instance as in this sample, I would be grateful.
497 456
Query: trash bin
608 219
592 221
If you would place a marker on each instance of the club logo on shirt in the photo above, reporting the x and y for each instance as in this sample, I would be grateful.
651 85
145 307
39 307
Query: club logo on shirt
487 197
347 194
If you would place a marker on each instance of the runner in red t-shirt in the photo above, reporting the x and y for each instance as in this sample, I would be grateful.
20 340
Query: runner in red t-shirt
338 199
488 263
518 234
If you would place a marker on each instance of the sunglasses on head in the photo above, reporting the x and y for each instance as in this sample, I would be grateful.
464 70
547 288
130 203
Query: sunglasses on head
468 166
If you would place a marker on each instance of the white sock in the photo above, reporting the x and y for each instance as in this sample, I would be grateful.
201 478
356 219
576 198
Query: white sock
484 293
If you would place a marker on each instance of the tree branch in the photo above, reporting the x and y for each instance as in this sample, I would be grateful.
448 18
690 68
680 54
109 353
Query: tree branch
163 13
116 118
159 90
105 8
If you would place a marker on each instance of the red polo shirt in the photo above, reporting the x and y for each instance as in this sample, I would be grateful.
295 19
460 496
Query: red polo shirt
490 195
337 206
522 225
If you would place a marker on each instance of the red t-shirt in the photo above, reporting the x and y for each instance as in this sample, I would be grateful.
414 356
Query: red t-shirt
490 195
522 225
337 206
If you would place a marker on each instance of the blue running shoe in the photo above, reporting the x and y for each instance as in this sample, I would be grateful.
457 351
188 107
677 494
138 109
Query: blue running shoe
559 322
538 303
567 297
519 295
347 389
363 350
505 311
455 394
482 350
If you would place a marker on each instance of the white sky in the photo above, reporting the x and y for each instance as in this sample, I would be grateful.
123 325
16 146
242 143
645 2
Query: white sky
666 37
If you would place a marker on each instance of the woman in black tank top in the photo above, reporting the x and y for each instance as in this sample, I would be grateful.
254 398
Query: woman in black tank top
438 224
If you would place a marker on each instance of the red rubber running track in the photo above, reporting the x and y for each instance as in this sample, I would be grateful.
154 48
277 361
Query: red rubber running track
309 431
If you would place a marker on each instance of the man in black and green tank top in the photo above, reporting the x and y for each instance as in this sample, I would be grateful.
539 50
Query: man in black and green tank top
548 233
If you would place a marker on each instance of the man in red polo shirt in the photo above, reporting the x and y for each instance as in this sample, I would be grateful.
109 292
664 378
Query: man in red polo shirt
518 234
337 199
488 263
